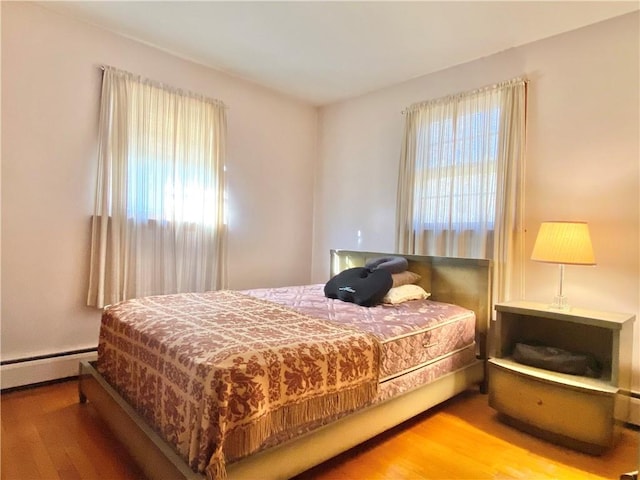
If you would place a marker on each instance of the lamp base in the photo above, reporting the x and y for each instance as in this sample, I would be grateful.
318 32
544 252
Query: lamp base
560 302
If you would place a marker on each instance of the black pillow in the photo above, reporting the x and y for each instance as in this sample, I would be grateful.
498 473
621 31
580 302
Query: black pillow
359 285
391 263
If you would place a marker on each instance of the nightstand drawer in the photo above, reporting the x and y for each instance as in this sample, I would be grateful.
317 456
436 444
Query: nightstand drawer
574 413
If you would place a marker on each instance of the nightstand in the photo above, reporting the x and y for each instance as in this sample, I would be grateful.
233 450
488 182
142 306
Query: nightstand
572 410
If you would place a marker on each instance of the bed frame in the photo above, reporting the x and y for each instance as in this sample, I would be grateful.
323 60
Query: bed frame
465 282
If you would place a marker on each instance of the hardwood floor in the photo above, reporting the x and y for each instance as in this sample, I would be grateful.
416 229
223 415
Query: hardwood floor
47 434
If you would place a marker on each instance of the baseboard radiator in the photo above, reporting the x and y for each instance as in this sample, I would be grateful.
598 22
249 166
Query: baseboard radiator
46 368
634 409
43 368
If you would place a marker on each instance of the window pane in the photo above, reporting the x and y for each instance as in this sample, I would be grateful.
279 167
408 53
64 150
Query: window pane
456 182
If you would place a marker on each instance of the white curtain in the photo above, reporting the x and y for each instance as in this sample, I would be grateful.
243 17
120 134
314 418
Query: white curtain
460 185
159 223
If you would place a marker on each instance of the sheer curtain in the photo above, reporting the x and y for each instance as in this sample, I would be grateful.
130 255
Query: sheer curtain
159 223
460 185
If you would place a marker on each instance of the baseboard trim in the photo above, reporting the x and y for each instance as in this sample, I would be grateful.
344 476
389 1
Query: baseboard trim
42 368
39 384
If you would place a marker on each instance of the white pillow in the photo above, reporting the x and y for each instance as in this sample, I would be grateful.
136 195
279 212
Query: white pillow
405 293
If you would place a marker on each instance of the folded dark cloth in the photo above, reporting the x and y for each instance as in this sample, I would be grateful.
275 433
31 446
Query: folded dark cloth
557 360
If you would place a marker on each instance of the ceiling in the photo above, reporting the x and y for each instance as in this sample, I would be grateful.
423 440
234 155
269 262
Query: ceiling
323 52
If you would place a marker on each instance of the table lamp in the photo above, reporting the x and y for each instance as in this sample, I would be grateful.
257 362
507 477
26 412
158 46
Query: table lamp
565 243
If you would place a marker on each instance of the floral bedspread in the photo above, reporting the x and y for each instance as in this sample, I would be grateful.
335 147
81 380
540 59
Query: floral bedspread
219 373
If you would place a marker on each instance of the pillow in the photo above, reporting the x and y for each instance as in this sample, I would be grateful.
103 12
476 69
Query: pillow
405 293
404 278
391 263
359 285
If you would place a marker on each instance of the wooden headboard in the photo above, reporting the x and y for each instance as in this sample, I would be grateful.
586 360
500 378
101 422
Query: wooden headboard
462 281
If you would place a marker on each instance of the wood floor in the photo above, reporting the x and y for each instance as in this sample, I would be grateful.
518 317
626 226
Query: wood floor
47 434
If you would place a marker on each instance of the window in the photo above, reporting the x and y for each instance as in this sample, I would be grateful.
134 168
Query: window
460 180
177 195
456 185
159 218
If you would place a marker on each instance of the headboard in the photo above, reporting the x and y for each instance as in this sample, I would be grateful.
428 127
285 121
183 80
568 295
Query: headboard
462 281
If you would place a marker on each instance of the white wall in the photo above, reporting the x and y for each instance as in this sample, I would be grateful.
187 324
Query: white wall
50 101
582 159
582 163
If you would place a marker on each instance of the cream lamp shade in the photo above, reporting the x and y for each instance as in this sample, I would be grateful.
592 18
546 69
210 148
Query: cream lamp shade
564 243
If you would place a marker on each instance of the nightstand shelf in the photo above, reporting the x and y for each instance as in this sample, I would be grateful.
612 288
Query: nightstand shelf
575 381
574 410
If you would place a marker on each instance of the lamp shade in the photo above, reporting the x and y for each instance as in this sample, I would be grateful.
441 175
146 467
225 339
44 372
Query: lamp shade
564 242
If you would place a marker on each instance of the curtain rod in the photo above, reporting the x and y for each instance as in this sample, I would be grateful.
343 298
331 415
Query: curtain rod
164 86
464 94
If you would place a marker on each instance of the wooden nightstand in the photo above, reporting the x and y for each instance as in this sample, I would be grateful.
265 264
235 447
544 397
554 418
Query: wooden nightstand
576 411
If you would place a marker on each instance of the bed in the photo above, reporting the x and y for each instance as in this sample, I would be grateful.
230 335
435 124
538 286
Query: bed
385 391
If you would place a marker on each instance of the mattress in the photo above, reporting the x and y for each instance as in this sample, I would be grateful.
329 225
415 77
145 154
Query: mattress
167 354
412 334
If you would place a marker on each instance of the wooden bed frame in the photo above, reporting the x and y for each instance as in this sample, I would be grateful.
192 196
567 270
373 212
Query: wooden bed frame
465 282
